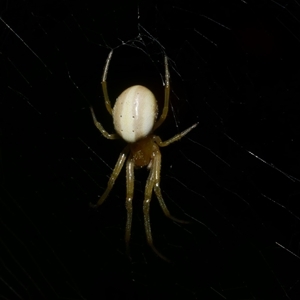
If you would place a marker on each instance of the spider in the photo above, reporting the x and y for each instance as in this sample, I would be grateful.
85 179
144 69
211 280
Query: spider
134 116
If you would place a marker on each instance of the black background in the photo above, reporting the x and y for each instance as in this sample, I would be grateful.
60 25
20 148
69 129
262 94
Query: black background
234 69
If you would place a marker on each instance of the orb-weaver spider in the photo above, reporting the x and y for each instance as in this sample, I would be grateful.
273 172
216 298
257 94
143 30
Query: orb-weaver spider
134 116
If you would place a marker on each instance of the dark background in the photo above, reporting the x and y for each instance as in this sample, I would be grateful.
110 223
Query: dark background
234 69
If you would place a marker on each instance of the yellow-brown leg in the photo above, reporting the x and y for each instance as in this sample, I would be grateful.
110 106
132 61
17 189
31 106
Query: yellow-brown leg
99 126
157 190
167 96
114 176
146 210
104 85
129 197
175 138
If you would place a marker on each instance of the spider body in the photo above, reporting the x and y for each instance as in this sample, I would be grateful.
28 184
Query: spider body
135 119
134 113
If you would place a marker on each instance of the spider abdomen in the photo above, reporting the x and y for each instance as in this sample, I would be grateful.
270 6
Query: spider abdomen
134 113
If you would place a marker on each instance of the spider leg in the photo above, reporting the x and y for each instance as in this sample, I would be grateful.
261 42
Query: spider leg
175 138
146 210
101 129
167 96
129 197
157 190
113 176
104 85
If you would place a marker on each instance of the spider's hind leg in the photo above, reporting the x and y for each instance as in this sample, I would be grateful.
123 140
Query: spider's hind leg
104 84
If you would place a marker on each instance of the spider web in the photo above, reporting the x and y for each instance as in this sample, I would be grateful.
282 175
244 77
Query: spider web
234 69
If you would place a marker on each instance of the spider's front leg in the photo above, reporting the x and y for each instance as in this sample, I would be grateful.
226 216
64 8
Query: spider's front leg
117 169
146 209
157 190
129 197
